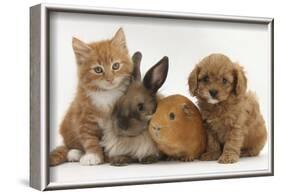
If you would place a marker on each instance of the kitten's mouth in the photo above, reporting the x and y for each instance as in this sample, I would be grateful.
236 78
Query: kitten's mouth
109 85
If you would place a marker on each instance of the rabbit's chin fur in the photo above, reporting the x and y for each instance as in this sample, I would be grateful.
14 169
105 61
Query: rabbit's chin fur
137 147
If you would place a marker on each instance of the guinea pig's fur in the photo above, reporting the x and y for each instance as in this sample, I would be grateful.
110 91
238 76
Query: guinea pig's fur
128 139
177 128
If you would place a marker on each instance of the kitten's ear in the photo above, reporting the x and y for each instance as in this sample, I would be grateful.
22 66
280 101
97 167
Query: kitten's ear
156 75
81 50
119 40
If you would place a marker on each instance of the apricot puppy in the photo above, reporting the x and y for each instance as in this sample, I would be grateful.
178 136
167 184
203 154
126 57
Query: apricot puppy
235 126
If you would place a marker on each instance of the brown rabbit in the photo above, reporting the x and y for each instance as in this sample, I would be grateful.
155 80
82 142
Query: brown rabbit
127 139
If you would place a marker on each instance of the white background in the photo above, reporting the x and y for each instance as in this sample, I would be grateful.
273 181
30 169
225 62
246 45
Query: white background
185 43
14 105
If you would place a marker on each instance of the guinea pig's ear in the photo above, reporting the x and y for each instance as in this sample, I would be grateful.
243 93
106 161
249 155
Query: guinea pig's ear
193 80
136 61
240 81
156 75
187 110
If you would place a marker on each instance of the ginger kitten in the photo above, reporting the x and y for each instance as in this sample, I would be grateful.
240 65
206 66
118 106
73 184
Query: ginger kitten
104 73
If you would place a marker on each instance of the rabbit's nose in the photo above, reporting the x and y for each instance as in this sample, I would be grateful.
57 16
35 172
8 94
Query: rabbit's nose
123 124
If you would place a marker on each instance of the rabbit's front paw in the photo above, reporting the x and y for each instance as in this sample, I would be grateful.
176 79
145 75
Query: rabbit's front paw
120 160
149 159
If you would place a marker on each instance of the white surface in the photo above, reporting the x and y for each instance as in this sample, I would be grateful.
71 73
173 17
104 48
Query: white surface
73 172
14 100
184 42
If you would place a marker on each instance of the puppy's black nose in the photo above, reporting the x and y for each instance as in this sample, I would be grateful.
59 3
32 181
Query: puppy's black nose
213 93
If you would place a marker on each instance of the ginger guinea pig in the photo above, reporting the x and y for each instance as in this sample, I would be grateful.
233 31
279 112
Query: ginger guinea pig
177 128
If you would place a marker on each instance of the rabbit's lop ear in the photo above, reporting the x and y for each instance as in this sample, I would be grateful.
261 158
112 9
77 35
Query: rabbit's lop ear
156 75
136 61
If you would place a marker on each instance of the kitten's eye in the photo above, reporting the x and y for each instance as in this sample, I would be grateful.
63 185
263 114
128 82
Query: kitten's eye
116 66
140 106
98 69
224 81
172 116
205 79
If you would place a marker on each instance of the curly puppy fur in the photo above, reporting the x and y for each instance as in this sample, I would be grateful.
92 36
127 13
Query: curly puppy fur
234 124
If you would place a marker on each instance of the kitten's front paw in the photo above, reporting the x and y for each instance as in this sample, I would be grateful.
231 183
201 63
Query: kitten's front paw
91 159
228 158
74 155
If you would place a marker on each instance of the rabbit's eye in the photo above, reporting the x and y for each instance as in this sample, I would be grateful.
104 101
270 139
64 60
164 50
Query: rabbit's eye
172 116
140 106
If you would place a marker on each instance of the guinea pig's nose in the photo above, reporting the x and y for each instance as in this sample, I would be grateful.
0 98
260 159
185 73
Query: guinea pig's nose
213 93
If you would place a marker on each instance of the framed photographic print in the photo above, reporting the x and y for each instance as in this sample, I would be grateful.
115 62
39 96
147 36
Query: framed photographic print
123 97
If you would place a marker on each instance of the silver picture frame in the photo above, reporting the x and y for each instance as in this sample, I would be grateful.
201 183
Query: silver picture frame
39 87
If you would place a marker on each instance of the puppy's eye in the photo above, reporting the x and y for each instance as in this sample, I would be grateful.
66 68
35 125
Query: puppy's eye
140 106
115 66
224 81
205 79
98 70
172 116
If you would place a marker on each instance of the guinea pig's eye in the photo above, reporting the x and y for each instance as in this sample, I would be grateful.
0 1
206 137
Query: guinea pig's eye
224 81
205 79
172 116
140 106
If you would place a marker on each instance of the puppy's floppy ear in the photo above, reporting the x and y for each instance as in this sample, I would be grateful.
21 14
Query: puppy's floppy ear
240 83
193 80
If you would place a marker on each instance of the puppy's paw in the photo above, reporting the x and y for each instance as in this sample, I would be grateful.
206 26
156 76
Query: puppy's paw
149 159
228 158
209 156
249 152
91 159
120 160
74 155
